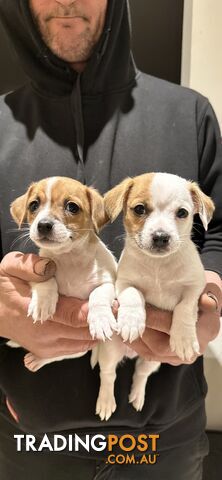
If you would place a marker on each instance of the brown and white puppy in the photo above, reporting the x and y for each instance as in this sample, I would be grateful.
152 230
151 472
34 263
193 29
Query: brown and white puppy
64 217
159 265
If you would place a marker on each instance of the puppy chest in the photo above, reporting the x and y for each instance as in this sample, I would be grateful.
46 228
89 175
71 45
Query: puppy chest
76 283
161 292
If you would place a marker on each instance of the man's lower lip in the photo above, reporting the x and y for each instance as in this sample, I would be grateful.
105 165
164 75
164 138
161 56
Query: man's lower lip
66 18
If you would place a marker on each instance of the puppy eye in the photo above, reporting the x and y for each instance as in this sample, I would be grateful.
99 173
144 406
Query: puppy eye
182 213
139 209
34 205
72 207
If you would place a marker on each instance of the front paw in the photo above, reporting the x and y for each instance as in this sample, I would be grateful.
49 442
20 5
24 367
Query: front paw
101 322
131 322
105 405
137 397
184 342
42 308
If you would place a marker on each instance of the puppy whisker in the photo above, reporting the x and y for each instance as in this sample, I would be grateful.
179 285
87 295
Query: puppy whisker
24 236
82 229
12 230
121 237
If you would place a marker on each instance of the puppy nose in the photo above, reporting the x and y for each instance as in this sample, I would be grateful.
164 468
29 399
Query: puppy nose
161 239
45 226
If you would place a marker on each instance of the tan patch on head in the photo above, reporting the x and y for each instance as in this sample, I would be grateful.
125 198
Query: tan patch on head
97 209
203 204
66 190
116 198
128 194
140 194
63 189
125 196
91 203
19 209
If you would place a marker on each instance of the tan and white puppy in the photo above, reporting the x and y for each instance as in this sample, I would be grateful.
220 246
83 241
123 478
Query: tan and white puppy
64 217
160 266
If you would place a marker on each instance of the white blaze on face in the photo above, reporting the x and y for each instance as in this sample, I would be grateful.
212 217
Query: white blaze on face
50 183
45 211
167 190
168 194
59 233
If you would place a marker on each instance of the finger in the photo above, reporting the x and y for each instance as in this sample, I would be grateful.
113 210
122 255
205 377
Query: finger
176 361
76 346
28 267
71 311
158 342
57 331
144 351
115 307
66 347
208 327
141 348
207 303
158 319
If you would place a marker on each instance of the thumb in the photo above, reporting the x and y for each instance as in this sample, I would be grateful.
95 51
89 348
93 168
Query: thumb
208 304
28 267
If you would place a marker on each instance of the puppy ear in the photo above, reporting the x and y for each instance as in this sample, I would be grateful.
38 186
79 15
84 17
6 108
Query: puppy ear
204 206
97 208
18 208
116 198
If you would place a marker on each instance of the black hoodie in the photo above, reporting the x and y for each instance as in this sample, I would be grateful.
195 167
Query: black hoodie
98 127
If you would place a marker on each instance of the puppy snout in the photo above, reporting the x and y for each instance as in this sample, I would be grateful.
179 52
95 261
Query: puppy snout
160 239
45 226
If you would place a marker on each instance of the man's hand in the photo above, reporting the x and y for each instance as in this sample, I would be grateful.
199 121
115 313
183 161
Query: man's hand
154 344
67 333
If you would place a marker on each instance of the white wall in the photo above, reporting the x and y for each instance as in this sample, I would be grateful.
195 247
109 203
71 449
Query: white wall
202 50
202 71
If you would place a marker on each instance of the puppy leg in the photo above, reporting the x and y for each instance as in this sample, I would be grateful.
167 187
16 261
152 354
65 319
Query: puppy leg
44 300
109 355
143 370
183 335
100 317
131 319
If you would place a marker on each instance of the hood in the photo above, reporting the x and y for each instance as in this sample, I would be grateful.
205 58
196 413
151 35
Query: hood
111 65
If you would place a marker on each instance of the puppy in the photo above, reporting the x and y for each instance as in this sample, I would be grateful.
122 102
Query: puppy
64 218
160 266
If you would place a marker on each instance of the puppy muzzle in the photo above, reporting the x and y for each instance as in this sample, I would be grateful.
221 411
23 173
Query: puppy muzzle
160 240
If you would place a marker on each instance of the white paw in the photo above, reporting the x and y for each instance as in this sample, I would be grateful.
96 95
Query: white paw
41 307
137 397
131 322
101 322
184 342
32 362
105 405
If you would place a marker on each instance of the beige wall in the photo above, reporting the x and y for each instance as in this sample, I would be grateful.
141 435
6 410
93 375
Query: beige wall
202 70
202 50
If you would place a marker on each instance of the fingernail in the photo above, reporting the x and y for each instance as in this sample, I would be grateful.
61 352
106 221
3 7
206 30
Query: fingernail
44 266
213 297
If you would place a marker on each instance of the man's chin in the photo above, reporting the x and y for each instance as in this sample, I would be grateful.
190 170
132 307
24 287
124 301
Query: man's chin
70 48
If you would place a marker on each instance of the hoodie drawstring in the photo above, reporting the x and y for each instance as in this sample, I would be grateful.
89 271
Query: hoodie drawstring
76 107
